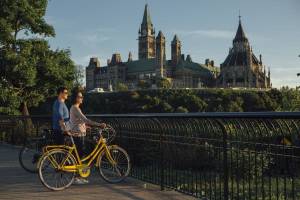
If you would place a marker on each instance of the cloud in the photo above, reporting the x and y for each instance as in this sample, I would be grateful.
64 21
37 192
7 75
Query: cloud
212 33
94 37
290 76
83 60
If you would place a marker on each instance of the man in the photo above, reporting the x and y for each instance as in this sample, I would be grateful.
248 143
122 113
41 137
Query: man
60 115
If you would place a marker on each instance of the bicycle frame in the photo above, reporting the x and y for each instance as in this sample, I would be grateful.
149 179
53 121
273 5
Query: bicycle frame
101 147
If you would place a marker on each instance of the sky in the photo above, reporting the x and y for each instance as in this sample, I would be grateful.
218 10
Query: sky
206 28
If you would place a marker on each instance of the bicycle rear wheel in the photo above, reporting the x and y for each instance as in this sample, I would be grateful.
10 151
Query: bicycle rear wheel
117 171
49 174
30 154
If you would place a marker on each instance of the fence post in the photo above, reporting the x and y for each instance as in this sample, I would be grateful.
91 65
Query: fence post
161 152
225 160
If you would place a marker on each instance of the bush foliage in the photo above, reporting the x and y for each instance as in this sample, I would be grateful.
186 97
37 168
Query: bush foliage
170 100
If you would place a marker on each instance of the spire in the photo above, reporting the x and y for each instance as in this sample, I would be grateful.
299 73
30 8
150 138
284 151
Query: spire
160 35
129 56
175 39
188 58
146 18
240 35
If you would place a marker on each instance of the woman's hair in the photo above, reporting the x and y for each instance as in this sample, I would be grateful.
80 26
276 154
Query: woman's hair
74 95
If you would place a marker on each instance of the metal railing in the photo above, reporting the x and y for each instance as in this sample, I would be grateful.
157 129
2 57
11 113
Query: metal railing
207 155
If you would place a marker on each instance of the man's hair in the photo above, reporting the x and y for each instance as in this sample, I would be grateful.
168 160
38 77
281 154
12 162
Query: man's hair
61 89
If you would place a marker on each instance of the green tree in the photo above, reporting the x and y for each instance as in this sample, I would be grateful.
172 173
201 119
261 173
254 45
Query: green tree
290 99
9 102
142 84
29 69
181 109
79 76
121 87
164 83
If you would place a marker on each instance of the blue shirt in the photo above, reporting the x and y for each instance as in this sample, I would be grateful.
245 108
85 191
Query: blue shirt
59 111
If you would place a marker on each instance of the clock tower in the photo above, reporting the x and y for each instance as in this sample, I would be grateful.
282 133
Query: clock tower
146 37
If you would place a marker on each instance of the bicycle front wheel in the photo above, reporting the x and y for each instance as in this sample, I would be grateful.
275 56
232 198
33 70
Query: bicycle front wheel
49 173
117 169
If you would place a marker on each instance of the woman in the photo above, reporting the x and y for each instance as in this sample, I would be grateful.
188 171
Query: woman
77 123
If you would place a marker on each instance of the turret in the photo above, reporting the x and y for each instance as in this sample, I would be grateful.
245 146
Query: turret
94 62
189 58
175 50
116 59
160 54
240 41
129 57
90 72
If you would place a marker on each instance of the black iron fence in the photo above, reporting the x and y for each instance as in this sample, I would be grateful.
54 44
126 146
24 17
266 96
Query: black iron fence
207 155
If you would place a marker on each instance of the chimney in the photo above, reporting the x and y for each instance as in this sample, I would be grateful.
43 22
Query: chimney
207 62
182 57
108 62
188 58
116 59
212 63
94 62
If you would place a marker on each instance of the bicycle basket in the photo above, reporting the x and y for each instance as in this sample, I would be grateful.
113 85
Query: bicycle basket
109 133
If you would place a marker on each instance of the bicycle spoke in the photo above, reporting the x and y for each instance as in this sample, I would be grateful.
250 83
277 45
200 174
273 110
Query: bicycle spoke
117 170
51 175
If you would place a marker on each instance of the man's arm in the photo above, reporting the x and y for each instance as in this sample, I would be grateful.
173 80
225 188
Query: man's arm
61 117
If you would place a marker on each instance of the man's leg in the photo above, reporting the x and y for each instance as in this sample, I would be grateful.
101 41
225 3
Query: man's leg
58 137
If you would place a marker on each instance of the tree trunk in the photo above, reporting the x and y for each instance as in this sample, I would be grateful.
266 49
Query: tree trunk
27 122
24 108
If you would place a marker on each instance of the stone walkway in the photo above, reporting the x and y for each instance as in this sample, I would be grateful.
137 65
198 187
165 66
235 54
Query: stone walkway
15 183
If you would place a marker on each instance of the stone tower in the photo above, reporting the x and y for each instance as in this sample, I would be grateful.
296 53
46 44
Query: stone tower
160 54
90 72
242 68
146 37
175 50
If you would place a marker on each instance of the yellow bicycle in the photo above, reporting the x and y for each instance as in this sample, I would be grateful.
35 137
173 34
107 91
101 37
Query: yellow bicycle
59 164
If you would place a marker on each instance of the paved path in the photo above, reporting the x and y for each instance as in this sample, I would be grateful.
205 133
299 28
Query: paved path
15 183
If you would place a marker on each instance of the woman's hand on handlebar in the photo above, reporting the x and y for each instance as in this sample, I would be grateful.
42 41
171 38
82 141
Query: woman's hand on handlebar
102 125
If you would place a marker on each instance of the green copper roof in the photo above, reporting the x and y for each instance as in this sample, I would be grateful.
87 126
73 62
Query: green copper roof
148 65
146 18
143 65
194 67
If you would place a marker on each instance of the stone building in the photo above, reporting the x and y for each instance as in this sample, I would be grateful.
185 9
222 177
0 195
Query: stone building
151 64
242 68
